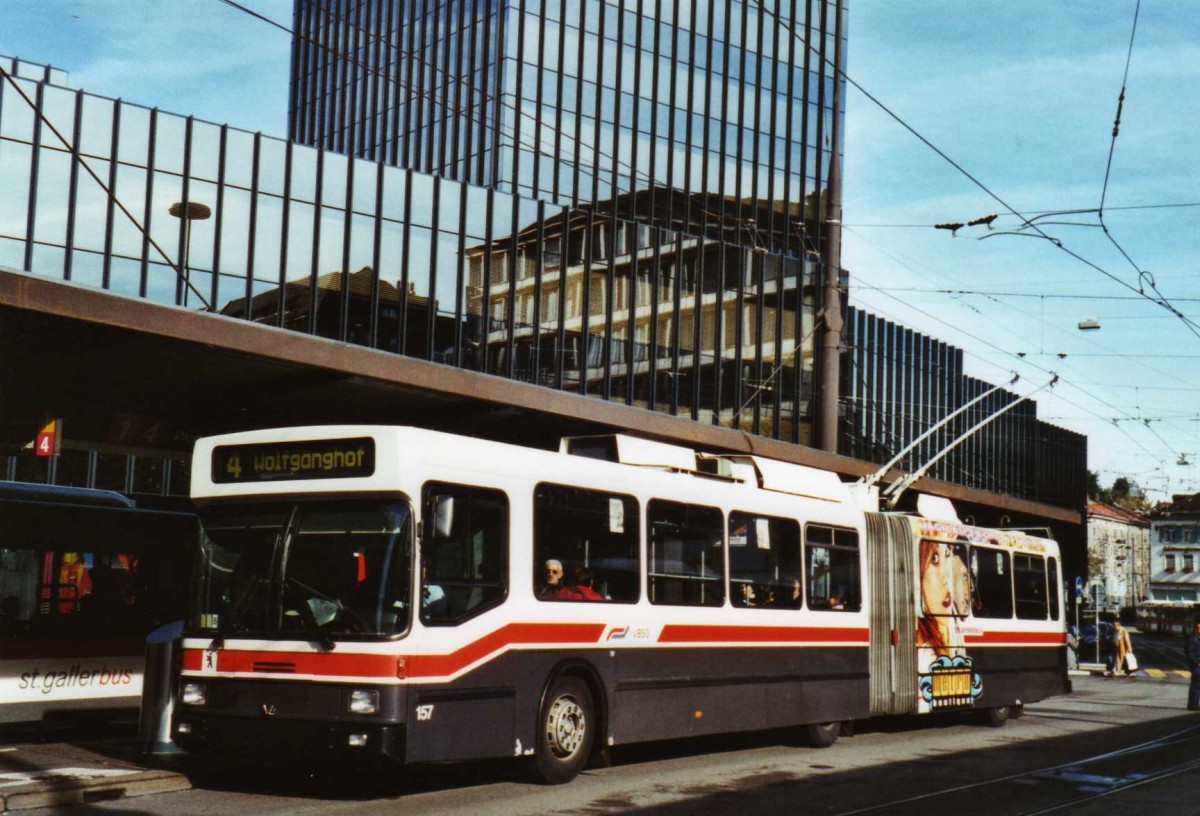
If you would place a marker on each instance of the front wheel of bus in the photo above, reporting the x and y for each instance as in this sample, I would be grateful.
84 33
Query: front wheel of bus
565 730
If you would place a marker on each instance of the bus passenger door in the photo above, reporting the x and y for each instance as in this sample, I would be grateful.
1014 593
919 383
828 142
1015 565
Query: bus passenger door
893 652
464 552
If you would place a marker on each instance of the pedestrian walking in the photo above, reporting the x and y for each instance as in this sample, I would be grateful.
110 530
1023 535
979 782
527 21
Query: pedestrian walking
1123 658
1072 647
1193 658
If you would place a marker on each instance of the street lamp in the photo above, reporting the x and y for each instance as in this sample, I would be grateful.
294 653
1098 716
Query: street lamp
189 211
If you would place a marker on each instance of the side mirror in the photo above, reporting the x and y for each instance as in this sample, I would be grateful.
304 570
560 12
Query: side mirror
443 516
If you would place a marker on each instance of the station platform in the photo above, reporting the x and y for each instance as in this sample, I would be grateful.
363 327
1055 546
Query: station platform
45 775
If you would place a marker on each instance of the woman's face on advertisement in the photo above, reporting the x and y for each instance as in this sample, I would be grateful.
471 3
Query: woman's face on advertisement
962 586
937 581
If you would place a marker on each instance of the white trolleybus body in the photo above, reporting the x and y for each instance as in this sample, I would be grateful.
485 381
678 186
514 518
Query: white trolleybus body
430 597
85 575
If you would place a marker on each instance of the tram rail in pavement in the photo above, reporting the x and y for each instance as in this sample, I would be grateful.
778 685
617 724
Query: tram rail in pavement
55 774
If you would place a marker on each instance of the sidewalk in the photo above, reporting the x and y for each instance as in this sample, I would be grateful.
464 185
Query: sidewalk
54 774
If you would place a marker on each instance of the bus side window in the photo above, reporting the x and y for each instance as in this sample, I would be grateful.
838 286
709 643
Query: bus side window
991 577
687 564
1029 575
764 562
1056 588
831 561
464 552
593 537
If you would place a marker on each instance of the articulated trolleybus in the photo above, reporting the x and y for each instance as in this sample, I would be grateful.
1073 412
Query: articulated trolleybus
428 597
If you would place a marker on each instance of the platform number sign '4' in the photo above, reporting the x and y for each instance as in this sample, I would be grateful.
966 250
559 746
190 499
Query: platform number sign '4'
48 439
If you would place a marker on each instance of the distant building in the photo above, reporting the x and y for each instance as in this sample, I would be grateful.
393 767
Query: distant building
1175 534
1119 556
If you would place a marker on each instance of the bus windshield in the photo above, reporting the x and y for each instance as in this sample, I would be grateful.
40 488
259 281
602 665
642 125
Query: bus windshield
311 568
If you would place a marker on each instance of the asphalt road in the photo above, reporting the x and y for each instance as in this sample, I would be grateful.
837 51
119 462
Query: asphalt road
1115 745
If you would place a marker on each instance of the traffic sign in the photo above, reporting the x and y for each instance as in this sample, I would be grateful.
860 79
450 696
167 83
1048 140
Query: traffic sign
1078 587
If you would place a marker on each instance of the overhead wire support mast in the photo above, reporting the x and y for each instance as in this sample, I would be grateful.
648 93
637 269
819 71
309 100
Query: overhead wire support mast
893 492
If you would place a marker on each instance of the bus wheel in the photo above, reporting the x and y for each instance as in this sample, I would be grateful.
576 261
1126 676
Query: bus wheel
996 717
822 735
565 730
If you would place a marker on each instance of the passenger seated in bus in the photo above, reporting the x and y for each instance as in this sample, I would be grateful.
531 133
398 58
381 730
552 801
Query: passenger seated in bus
837 600
552 578
790 595
581 585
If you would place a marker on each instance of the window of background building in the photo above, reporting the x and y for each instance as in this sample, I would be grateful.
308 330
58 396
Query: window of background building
1170 561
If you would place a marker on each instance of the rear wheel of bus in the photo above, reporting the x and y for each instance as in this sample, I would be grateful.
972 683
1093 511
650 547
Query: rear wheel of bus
566 729
822 735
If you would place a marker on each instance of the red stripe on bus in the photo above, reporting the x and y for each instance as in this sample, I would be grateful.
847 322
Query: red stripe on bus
335 664
1056 638
513 634
332 664
682 633
70 647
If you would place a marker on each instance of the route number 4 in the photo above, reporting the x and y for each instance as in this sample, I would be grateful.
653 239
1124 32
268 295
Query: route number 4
424 713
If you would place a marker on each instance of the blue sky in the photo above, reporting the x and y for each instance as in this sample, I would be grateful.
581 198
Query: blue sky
1022 95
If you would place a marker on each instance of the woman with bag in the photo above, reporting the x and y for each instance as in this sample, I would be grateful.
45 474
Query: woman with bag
1123 659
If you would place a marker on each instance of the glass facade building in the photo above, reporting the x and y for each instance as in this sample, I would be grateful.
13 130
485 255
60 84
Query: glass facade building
685 300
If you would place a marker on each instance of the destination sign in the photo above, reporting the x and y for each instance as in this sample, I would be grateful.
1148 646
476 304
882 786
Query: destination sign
288 461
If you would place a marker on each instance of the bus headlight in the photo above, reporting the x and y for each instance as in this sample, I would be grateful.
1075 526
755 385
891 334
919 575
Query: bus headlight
364 701
193 694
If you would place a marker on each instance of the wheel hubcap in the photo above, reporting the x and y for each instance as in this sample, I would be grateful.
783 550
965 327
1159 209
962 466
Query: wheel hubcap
565 727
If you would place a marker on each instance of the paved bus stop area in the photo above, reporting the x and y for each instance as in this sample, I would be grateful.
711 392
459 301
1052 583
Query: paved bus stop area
53 774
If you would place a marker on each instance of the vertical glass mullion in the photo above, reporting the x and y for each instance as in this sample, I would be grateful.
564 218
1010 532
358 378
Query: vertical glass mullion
73 189
314 292
486 308
219 219
252 237
598 111
576 150
497 81
147 215
585 298
182 281
376 260
510 338
34 165
559 78
518 98
110 203
697 325
677 320
434 247
564 261
461 307
652 334
284 231
539 265
405 254
538 150
343 331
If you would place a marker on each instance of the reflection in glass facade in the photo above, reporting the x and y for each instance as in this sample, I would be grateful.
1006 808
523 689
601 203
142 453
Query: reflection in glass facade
681 298
655 172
